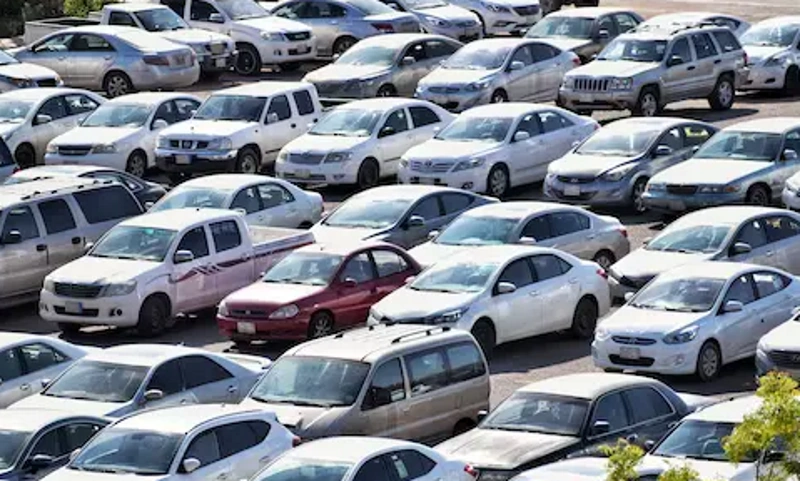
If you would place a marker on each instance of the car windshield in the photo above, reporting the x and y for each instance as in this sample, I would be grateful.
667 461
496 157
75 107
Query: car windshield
291 468
231 107
118 115
98 381
629 142
476 129
371 7
6 59
128 451
571 27
347 123
160 20
368 213
634 50
477 56
734 145
692 294
11 444
423 4
455 277
242 9
312 381
469 230
690 239
539 413
772 35
695 439
368 55
310 268
192 197
134 243
14 111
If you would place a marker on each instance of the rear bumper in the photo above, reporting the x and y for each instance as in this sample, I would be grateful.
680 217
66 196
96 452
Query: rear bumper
623 100
263 329
217 63
670 203
166 77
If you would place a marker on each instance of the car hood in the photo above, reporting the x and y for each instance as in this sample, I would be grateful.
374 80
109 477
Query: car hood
207 128
194 36
449 150
66 474
406 303
709 171
323 233
648 263
26 71
95 135
631 321
5 128
613 68
448 12
274 24
324 143
651 465
783 337
566 43
334 72
301 420
758 53
586 165
275 294
497 449
454 76
429 253
99 270
75 406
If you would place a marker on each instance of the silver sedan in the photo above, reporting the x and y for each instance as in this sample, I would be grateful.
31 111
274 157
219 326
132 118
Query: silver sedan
385 66
117 60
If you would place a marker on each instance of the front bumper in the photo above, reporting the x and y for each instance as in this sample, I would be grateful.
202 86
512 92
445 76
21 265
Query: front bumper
118 311
217 63
276 53
669 359
196 161
456 101
791 198
508 22
473 180
593 192
331 173
672 203
154 77
609 100
764 78
117 160
263 329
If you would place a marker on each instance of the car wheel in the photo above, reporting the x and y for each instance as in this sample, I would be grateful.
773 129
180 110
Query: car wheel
247 161
757 195
387 91
248 61
117 84
723 95
484 334
791 83
137 164
648 103
497 182
605 258
636 195
153 317
709 362
68 328
498 97
585 319
342 45
368 175
25 156
321 325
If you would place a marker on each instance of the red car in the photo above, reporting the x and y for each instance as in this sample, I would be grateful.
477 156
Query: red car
315 290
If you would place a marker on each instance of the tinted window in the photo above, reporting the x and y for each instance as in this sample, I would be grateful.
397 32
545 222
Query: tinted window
5 155
184 109
10 365
387 386
54 108
302 100
607 24
247 200
38 356
48 445
199 370
741 290
611 409
465 362
439 48
428 208
177 6
167 378
359 269
273 195
792 141
195 242
455 203
21 219
537 228
696 135
90 43
201 10
649 404
552 122
672 139
564 223
77 434
625 22
373 470
260 428
235 437
397 121
56 215
280 106
727 41
517 273
121 18
523 55
166 112
417 51
681 49
422 116
204 448
109 203
529 124
752 234
388 263
768 283
79 104
322 10
780 227
410 464
703 45
226 235
547 266
427 372
542 52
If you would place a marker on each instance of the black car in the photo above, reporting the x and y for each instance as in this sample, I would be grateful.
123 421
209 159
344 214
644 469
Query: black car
568 415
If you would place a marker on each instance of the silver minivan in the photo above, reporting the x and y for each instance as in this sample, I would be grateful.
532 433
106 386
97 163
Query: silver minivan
412 382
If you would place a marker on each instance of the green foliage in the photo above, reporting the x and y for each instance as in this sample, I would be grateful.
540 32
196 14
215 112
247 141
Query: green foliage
683 472
622 461
11 8
81 8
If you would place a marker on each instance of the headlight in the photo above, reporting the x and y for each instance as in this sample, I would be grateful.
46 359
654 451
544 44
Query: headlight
272 37
123 289
568 82
615 175
49 285
59 82
17 82
220 143
651 187
683 336
601 333
496 8
51 148
449 316
436 21
104 149
621 84
163 142
469 164
478 86
335 157
778 61
285 312
222 309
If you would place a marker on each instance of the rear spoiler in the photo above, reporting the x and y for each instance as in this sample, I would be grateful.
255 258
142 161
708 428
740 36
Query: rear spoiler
255 363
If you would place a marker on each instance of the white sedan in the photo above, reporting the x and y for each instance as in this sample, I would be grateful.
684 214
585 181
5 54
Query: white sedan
121 134
694 319
18 75
361 142
772 53
492 148
506 293
31 118
265 201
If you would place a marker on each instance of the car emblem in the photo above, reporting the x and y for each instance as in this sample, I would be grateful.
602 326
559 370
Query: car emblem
428 163
573 180
186 144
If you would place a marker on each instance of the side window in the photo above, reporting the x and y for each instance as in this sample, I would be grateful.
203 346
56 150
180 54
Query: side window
201 10
326 10
650 404
768 283
388 263
204 448
465 362
541 52
552 121
199 371
273 195
78 104
681 49
226 235
672 139
359 269
235 437
195 242
417 51
185 108
106 204
247 200
167 378
396 121
166 112
611 409
56 216
727 41
547 266
522 54
537 228
703 45
21 219
49 445
76 435
780 227
387 386
303 101
177 6
427 208
90 43
607 24
373 470
409 464
121 18
752 234
57 43
792 141
279 106
518 273
439 48
422 116
530 124
38 356
741 289
53 108
695 135
454 203
10 365
261 429
564 223
625 22
427 372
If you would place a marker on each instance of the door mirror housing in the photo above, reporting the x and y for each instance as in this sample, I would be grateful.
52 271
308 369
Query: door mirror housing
74 454
415 222
386 131
674 60
482 414
600 427
516 65
789 154
216 18
88 247
183 256
45 382
153 395
159 124
40 461
272 118
521 136
663 151
628 296
732 306
349 283
647 241
42 119
527 241
433 234
506 288
409 279
12 237
741 248
190 465
406 61
603 34
649 445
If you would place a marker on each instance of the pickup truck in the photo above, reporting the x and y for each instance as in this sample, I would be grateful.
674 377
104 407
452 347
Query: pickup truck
147 270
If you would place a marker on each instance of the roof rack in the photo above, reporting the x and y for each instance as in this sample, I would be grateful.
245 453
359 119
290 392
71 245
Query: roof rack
673 27
69 188
427 332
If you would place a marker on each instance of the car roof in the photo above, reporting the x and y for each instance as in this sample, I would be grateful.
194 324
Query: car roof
587 385
588 12
34 419
264 88
400 39
772 125
180 419
713 270
149 98
499 42
343 248
37 94
178 219
520 209
510 109
45 188
403 191
382 103
227 181
57 170
135 37
651 123
357 448
727 215
732 411
144 355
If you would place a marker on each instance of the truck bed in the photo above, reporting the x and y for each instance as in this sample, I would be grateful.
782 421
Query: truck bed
271 244
37 29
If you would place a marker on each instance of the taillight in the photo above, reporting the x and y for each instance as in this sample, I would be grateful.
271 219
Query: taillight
471 471
156 60
576 61
384 27
296 441
602 273
624 232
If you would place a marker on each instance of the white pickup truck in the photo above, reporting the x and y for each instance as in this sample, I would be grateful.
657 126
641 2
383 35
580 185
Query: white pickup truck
149 269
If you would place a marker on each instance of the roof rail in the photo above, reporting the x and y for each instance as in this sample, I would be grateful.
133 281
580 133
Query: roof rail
427 332
673 27
700 24
67 189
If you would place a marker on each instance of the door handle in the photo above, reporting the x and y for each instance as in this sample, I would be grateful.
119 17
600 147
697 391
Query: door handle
762 321
76 240
717 62
533 293
222 476
25 387
41 247
294 125
590 236
573 281
691 68
265 459
770 253
232 389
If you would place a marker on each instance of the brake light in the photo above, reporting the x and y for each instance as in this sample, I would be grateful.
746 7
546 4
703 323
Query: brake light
471 471
384 27
296 441
602 273
156 60
624 232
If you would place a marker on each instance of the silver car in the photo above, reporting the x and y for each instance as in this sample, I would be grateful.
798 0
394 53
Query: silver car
338 24
117 60
611 168
442 18
579 232
385 66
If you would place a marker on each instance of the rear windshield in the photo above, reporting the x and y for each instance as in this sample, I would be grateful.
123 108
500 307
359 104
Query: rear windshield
110 203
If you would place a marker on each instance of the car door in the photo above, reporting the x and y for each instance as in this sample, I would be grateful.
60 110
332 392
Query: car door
279 208
58 442
705 76
783 234
671 148
381 408
517 314
195 286
774 305
524 150
454 204
738 331
438 50
241 445
428 208
168 379
208 381
206 448
548 74
235 267
23 252
394 138
52 53
572 233
248 202
560 135
609 421
90 57
678 80
407 75
282 127
432 399
536 231
200 12
558 288
46 124
786 166
651 414
357 289
521 79
752 234
63 239
40 362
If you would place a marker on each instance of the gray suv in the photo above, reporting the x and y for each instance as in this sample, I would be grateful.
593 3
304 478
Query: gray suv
645 70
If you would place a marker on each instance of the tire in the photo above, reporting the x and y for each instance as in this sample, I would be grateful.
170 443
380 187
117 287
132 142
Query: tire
247 162
242 345
605 258
499 96
709 362
758 195
25 156
648 104
387 91
153 317
497 182
117 84
248 61
368 175
321 325
636 195
69 329
291 66
585 319
137 164
723 95
484 334
342 45
791 83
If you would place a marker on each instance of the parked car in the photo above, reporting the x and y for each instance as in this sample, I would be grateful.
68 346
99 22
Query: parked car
497 70
17 75
28 362
585 31
121 134
360 142
745 163
790 197
116 60
643 71
314 291
48 223
442 18
382 66
398 214
504 16
777 350
493 148
360 458
577 231
773 57
756 235
34 442
611 168
31 118
506 293
170 268
239 129
692 19
264 201
8 166
373 380
117 381
568 415
338 24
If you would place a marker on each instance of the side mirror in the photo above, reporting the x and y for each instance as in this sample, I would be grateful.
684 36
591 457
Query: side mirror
482 414
349 283
12 237
647 241
663 151
528 241
600 427
732 306
603 34
674 60
506 288
272 118
406 61
433 234
40 461
159 124
216 18
42 119
386 131
740 248
649 445
516 65
628 296
409 279
153 395
394 6
190 464
45 382
149 205
772 456
521 136
415 222
789 154
183 256
88 247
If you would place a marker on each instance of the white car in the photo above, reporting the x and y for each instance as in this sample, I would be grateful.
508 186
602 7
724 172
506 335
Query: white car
504 16
778 350
354 458
188 443
17 75
492 148
121 133
28 362
120 380
360 142
686 19
264 201
506 293
773 57
694 319
31 118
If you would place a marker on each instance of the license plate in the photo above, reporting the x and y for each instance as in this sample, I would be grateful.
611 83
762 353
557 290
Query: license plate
629 353
572 190
427 180
182 159
73 308
220 62
677 205
245 327
303 174
585 99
